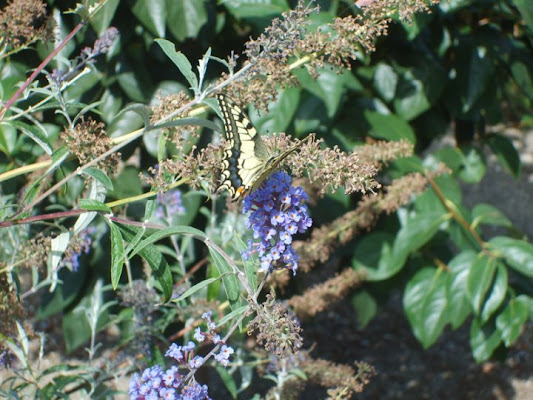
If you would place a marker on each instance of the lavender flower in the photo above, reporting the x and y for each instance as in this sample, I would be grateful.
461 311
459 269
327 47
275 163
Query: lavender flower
223 356
170 204
80 245
277 213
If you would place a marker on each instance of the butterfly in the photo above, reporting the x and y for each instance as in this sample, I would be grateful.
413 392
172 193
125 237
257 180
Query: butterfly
247 162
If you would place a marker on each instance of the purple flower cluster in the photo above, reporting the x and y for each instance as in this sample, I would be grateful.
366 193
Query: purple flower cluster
81 246
155 383
277 213
169 204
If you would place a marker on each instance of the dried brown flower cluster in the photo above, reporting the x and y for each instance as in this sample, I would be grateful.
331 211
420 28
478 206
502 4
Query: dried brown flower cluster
24 21
321 296
326 238
87 141
10 307
275 329
343 379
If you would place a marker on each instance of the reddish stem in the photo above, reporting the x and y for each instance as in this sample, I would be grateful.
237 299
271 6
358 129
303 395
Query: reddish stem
41 66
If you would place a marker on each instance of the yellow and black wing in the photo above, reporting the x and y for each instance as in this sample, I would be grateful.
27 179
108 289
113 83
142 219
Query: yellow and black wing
246 161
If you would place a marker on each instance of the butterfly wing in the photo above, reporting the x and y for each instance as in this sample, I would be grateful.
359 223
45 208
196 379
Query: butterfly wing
245 154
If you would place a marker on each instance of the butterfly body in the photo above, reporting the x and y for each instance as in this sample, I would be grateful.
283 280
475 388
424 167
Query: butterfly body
247 162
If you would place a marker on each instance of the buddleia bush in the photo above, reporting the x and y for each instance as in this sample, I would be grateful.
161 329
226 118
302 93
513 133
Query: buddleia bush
125 270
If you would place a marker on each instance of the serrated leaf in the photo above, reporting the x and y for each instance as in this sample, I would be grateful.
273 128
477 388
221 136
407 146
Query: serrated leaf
511 321
425 302
517 253
117 255
180 61
100 176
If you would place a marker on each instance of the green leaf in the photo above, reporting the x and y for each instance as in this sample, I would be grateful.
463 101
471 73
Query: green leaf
250 265
373 254
100 176
526 10
484 339
458 302
485 214
511 321
39 136
155 260
479 281
390 127
186 18
365 306
180 61
517 253
195 288
93 205
152 14
496 294
474 166
117 254
101 21
504 149
234 314
228 380
425 302
231 283
385 81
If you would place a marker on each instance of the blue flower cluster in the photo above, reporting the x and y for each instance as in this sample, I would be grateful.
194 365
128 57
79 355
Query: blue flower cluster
155 383
169 204
277 213
82 245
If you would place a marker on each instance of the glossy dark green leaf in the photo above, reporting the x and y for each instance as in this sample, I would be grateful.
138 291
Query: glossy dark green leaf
281 114
37 135
526 10
425 302
366 307
389 126
480 280
250 265
152 14
523 75
473 166
508 156
117 255
517 253
510 322
484 339
180 61
451 156
186 18
458 303
385 81
373 254
486 214
496 294
102 19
